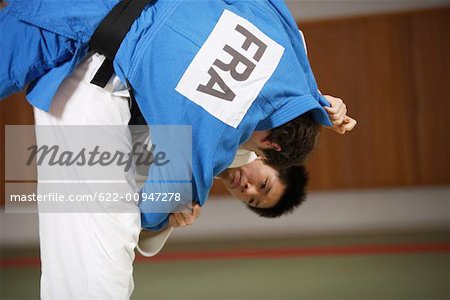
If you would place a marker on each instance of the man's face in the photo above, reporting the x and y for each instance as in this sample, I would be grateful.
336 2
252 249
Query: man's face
255 184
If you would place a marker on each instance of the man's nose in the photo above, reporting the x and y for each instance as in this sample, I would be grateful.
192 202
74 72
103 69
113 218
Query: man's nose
249 189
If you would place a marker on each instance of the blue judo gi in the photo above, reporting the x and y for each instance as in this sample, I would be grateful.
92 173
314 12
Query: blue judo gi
224 67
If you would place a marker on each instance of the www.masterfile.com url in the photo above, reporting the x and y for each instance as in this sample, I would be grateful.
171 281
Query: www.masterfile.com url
101 197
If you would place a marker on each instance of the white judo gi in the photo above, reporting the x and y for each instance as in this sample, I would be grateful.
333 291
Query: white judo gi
88 255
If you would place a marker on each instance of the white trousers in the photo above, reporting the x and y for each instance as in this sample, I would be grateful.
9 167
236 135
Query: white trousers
88 255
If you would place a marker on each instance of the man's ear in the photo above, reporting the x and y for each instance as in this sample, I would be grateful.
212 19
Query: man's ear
275 146
270 145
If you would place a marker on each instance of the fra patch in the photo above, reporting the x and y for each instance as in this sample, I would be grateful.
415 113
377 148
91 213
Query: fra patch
230 69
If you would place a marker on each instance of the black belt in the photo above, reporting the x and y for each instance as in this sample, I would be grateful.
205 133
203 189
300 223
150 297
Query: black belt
110 33
106 40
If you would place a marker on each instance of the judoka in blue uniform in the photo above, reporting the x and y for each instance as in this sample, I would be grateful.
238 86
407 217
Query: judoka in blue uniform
236 67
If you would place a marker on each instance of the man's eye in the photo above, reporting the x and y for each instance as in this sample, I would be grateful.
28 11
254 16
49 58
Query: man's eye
264 184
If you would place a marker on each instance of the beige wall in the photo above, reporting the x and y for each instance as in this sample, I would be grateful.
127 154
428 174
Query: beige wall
393 73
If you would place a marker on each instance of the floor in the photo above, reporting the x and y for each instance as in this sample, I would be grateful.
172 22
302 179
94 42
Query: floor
408 265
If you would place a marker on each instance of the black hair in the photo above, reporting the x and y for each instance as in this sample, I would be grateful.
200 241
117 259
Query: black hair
296 138
296 179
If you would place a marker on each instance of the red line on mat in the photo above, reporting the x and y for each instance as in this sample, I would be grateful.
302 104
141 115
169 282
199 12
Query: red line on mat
298 252
20 262
266 253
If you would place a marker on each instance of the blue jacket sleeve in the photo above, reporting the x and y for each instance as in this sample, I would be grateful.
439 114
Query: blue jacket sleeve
27 52
170 183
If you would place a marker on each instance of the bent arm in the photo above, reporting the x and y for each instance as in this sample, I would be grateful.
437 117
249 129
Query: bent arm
27 52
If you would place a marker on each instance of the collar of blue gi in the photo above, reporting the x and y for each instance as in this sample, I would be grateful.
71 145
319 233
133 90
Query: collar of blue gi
295 108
